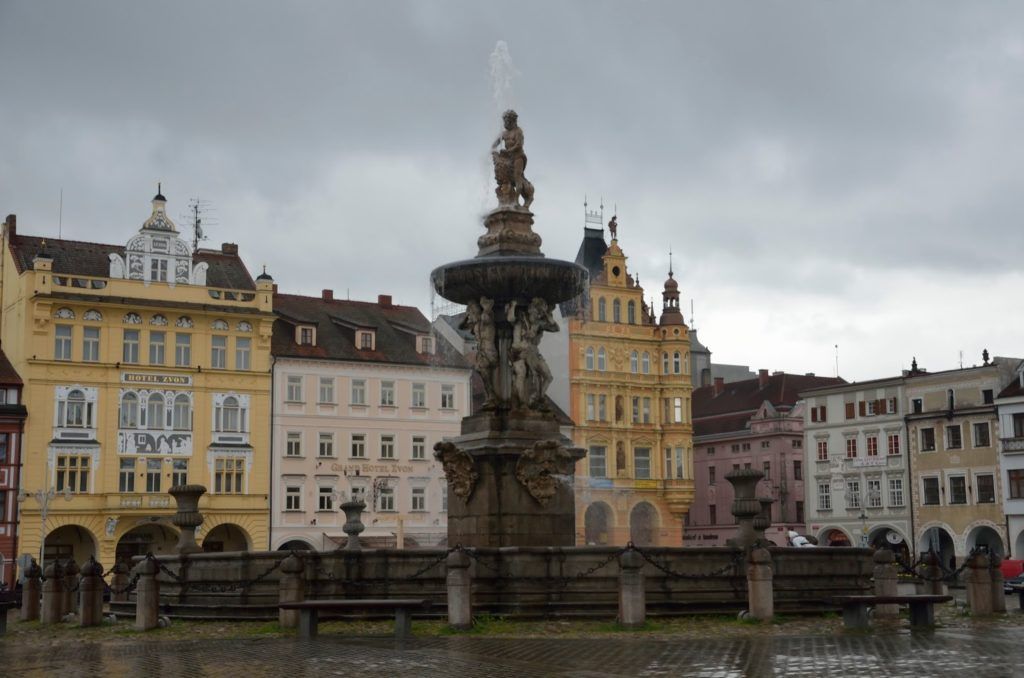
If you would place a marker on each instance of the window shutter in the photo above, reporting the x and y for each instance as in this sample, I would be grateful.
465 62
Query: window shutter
849 410
814 414
821 416
862 407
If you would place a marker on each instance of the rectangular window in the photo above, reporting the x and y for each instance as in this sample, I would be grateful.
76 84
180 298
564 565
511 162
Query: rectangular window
746 447
156 348
711 475
326 394
387 393
986 488
73 473
62 342
851 448
326 447
153 469
853 494
602 408
419 499
767 466
293 446
799 512
930 491
292 498
636 410
387 499
359 494
366 341
387 447
872 442
765 444
218 352
646 412
957 490
228 476
306 336
419 395
590 407
712 514
419 448
130 351
91 344
895 492
293 389
126 476
243 353
642 462
182 349
5 442
358 392
447 397
928 440
797 443
359 445
179 472
158 270
598 460
981 434
326 496
954 438
824 497
987 395
1015 483
874 493
677 410
917 405
798 469
822 450
894 444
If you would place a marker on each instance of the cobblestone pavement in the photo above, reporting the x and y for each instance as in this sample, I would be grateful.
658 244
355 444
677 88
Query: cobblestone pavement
955 652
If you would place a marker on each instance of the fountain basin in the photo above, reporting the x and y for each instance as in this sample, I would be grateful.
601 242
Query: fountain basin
504 278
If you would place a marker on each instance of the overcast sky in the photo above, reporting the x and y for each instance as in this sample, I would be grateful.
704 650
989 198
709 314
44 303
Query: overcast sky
825 173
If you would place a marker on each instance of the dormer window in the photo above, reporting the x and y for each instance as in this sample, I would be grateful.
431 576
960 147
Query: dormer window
364 339
306 335
158 270
426 345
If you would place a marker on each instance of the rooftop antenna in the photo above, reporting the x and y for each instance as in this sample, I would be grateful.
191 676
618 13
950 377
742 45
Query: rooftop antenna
961 359
837 361
692 326
199 216
60 214
670 260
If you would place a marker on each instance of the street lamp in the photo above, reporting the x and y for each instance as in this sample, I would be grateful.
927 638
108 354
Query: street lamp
44 497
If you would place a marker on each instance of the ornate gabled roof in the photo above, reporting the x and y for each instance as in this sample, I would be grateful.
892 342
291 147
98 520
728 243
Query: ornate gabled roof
158 220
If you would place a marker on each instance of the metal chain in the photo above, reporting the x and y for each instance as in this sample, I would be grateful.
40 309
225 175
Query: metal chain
948 575
562 582
128 587
434 563
736 562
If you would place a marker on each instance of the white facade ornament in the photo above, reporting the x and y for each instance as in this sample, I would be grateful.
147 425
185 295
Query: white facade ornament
184 321
92 314
117 267
158 320
132 319
220 325
199 273
64 313
157 253
244 326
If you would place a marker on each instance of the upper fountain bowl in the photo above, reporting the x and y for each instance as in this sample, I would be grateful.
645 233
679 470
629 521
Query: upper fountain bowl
504 278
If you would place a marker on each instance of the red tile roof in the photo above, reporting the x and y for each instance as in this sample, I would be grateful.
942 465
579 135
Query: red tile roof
8 375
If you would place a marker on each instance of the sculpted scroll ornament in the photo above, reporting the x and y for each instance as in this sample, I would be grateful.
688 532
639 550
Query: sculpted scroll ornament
458 468
538 467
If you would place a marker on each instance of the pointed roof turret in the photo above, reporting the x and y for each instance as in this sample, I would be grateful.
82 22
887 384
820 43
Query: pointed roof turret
670 313
158 220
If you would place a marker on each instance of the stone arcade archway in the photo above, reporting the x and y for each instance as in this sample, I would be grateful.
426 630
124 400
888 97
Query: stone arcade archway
983 535
227 537
938 539
597 523
70 541
643 524
885 537
296 545
156 538
833 536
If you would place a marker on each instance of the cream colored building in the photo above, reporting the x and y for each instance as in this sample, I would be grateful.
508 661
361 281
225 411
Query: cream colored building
145 365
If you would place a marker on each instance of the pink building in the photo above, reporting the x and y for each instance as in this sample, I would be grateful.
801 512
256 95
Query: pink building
755 423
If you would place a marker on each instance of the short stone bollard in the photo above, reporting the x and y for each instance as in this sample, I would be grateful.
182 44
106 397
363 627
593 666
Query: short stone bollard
120 576
30 592
996 574
459 585
760 596
885 582
91 589
979 585
291 589
53 593
147 595
932 575
71 571
632 594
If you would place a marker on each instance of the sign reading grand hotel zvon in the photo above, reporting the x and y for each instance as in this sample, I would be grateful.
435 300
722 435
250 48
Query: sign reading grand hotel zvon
146 379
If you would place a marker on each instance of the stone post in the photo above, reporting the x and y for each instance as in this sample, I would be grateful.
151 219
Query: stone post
53 593
91 598
459 584
291 589
188 517
353 523
885 582
979 585
744 506
147 595
996 574
30 592
760 596
932 574
119 578
71 586
763 520
632 594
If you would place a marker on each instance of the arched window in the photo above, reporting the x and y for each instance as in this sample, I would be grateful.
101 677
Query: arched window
600 359
601 312
616 311
589 364
664 363
634 362
631 313
129 410
645 363
155 411
230 420
951 400
182 419
676 363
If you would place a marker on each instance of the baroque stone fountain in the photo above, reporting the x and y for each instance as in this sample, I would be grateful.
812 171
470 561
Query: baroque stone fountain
510 473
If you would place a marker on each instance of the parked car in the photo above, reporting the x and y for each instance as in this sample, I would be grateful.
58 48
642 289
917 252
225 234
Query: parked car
1008 584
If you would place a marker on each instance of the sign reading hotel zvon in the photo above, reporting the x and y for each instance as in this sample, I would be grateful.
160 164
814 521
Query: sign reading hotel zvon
372 468
156 379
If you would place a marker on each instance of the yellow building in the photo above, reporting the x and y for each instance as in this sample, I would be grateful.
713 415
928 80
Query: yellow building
145 366
629 393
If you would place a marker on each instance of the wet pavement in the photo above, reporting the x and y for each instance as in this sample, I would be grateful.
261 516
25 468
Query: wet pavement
965 653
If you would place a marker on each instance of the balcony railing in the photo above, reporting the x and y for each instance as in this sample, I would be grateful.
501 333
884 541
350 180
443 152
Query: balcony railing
1013 444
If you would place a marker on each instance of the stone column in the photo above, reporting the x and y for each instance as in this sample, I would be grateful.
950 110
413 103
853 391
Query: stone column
459 584
979 585
91 589
291 589
53 593
885 582
71 571
30 592
632 594
744 506
760 596
932 574
147 595
996 574
188 517
119 578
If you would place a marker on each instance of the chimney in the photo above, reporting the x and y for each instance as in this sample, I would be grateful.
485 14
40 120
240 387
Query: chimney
12 224
809 374
384 300
327 295
718 386
229 248
275 288
762 378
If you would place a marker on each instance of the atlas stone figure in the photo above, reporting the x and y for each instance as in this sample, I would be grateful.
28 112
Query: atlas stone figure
531 374
480 321
510 164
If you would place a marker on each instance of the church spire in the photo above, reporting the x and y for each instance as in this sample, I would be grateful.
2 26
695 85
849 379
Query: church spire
670 313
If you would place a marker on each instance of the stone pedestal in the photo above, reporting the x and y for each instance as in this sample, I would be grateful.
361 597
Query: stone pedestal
53 594
632 594
292 589
147 596
71 586
510 481
187 518
91 594
30 592
760 592
996 575
353 526
119 578
885 582
979 585
460 591
932 574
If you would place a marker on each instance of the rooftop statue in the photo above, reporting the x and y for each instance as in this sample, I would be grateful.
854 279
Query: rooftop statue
509 165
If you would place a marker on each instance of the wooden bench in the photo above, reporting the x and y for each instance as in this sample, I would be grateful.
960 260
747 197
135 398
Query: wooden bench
309 612
922 608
